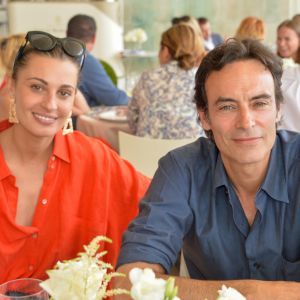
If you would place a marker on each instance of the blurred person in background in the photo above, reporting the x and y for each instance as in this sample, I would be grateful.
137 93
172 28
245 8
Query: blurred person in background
8 49
186 19
251 28
162 101
288 42
95 84
211 39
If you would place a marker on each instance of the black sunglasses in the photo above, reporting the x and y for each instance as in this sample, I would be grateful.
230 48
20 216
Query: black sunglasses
44 41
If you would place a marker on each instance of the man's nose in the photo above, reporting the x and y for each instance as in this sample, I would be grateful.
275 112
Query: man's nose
246 118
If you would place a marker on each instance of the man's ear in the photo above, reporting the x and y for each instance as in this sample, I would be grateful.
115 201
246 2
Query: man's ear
278 114
204 120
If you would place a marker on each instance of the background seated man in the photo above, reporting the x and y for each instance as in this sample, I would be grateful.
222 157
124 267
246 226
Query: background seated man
232 201
95 84
211 39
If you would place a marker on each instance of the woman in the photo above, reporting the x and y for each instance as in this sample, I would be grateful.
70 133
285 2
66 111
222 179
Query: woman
162 102
8 48
251 28
288 40
58 189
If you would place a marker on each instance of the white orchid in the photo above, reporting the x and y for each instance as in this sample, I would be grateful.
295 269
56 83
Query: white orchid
82 278
146 287
137 35
229 294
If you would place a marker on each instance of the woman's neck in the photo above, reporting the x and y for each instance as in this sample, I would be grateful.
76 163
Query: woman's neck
17 142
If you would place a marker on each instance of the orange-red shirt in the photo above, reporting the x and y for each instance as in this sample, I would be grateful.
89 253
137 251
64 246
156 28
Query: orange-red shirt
88 190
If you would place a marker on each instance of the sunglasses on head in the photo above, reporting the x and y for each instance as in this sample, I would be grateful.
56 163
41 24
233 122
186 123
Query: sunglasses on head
43 41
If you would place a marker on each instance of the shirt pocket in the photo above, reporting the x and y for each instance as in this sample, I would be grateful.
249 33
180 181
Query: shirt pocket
291 270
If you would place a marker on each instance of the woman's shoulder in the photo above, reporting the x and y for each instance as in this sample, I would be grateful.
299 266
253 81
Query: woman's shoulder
85 147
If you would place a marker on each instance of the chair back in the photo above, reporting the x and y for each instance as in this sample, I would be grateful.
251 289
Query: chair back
144 152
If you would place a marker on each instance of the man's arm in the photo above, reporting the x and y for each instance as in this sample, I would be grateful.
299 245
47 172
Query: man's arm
189 289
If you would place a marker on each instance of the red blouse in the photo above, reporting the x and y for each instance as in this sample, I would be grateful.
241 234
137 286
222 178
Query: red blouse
88 190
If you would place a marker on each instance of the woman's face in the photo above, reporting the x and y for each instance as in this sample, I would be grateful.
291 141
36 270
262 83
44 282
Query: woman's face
44 92
287 42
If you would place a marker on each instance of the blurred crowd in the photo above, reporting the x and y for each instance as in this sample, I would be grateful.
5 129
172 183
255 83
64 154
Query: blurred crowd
161 103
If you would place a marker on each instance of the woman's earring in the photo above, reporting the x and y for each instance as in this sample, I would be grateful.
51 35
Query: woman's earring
12 114
68 126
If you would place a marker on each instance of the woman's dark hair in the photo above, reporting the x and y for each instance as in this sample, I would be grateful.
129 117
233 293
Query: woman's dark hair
232 51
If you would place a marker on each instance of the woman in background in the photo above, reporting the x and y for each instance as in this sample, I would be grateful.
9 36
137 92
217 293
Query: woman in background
8 49
288 41
251 28
162 101
58 188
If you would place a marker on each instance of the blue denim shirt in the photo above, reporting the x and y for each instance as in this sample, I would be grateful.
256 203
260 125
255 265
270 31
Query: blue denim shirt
191 204
97 87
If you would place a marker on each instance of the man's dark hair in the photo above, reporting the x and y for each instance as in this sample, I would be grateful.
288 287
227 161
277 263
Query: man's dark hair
233 51
82 27
202 20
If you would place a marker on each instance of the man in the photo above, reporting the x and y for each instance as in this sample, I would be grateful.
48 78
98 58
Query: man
230 202
95 84
211 40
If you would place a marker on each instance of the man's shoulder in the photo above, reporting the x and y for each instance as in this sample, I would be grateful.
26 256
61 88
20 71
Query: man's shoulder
217 38
200 152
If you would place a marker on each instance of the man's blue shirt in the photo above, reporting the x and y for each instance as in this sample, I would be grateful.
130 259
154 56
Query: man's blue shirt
191 199
97 87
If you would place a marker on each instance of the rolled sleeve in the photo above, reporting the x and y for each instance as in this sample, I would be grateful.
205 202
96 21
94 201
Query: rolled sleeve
156 235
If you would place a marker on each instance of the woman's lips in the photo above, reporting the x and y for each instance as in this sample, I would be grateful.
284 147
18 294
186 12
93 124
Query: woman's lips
44 119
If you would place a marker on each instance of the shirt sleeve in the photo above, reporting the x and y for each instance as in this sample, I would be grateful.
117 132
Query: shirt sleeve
165 217
127 188
97 87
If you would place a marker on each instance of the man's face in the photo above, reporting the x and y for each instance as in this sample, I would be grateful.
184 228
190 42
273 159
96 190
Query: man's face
241 112
206 30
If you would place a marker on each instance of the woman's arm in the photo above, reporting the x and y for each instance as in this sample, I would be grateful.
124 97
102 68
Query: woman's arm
80 105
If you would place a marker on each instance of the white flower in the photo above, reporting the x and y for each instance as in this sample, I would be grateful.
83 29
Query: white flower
137 35
229 294
82 278
146 287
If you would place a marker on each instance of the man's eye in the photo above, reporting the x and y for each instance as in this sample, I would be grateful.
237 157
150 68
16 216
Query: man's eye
260 104
226 107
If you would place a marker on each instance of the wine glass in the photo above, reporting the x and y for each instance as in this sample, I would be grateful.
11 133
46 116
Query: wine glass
23 289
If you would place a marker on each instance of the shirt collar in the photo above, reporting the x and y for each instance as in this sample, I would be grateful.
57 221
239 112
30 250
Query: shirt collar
220 176
61 149
274 184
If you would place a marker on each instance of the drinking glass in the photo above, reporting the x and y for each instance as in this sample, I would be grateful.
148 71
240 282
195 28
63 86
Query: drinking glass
23 289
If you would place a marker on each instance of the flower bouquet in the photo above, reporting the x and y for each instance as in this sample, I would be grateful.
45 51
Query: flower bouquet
136 36
84 277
